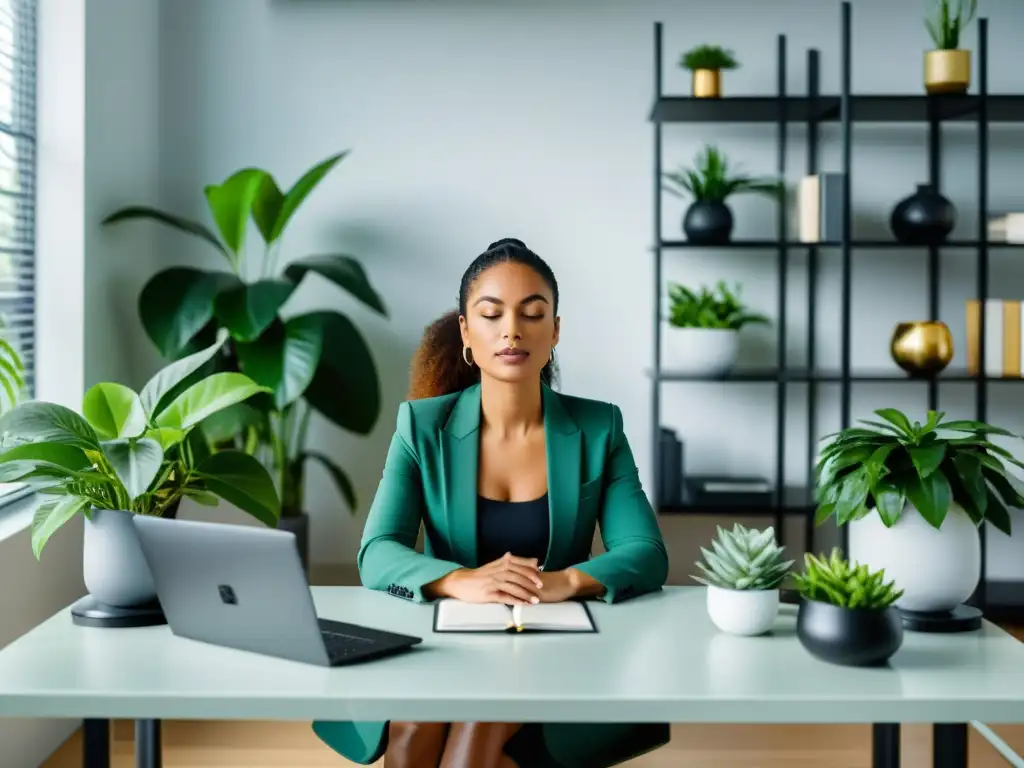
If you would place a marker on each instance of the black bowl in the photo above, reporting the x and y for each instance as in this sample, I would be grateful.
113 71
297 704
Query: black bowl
856 637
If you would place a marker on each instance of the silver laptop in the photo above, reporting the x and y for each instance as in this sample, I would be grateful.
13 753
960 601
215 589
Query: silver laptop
244 587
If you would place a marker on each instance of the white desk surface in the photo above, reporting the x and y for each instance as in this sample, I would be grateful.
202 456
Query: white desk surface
655 658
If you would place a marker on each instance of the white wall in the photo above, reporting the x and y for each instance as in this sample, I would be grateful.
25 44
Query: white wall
473 120
97 140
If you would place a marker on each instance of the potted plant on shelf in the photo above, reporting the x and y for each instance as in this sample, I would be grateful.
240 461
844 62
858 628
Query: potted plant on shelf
127 454
947 68
903 486
708 220
706 62
846 614
703 339
742 575
314 361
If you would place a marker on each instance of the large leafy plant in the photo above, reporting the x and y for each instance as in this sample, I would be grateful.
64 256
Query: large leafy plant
134 452
946 19
311 361
720 308
837 581
885 464
711 180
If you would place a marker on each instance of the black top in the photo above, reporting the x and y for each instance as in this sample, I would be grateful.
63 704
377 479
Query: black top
519 527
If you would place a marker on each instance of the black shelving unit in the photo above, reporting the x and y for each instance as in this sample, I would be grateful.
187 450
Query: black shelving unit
999 600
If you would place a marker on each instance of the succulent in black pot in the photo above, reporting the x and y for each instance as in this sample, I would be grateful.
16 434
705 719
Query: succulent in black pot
846 614
708 220
924 218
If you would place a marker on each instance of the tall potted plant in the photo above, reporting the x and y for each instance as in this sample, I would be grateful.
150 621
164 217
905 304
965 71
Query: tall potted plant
947 68
313 361
708 220
904 486
703 338
706 63
127 454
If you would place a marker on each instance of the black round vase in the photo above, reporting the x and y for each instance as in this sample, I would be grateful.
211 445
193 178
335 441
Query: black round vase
708 223
924 218
854 637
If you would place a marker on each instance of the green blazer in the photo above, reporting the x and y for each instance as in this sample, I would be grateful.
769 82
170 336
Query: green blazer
430 477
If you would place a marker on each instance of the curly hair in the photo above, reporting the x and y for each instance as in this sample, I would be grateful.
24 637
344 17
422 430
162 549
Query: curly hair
438 367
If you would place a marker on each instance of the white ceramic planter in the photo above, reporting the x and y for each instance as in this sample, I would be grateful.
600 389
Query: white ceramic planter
700 351
743 611
936 569
114 567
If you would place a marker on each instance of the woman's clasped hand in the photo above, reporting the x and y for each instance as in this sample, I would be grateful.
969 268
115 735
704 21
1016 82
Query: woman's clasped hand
509 579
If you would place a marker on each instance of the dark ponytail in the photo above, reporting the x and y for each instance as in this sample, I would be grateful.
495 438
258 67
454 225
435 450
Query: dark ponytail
438 367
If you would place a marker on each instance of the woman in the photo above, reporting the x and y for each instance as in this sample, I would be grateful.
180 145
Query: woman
510 480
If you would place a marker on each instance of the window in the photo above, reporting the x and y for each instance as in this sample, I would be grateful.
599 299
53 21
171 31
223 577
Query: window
18 191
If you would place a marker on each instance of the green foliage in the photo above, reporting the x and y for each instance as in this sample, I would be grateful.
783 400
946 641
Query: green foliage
743 559
708 57
313 361
846 585
12 373
134 451
886 464
711 180
946 19
719 308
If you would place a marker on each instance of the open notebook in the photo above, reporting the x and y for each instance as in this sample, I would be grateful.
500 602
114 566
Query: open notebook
451 615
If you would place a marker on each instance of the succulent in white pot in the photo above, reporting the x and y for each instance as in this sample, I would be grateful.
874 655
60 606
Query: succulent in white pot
742 574
904 486
704 325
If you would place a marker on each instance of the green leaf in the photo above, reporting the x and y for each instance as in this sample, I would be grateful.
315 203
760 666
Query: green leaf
49 517
897 419
852 495
295 196
342 270
969 472
889 501
51 423
875 465
135 462
286 357
167 437
976 426
176 222
345 388
171 375
997 514
247 310
71 457
267 206
927 458
931 497
177 303
824 512
341 480
231 204
114 410
240 479
206 397
231 422
1009 494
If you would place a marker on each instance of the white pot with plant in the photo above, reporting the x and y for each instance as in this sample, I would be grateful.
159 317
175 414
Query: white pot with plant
906 487
706 63
708 220
947 68
703 334
742 574
128 454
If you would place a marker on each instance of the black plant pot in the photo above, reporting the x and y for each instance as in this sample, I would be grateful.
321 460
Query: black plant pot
857 637
924 218
708 223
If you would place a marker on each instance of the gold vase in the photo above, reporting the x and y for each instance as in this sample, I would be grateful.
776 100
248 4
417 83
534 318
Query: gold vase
707 83
922 348
947 71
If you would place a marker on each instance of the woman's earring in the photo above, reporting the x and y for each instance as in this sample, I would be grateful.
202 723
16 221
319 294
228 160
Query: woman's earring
465 356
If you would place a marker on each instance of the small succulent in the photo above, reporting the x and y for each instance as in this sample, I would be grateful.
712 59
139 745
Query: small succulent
946 20
708 57
718 308
743 559
848 585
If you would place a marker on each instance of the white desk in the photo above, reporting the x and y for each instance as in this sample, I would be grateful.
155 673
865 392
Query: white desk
655 658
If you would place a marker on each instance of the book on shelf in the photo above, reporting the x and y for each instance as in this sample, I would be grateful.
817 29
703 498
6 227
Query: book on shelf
1003 337
820 208
1006 228
451 615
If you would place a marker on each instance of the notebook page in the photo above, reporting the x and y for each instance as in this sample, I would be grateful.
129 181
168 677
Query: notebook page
454 614
569 616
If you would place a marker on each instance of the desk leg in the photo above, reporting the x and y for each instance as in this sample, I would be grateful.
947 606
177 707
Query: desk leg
148 753
96 743
949 745
885 745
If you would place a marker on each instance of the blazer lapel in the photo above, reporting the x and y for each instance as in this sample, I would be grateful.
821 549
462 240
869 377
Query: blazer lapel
564 457
460 443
